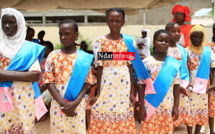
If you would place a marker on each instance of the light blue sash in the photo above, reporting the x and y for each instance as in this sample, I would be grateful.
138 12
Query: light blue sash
79 74
184 73
204 66
138 65
162 84
203 72
22 61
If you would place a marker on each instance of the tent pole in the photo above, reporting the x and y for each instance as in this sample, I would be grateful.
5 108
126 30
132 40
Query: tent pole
144 18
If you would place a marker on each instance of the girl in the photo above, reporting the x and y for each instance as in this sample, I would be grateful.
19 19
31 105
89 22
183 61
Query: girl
162 106
200 60
18 59
179 53
211 96
67 74
111 113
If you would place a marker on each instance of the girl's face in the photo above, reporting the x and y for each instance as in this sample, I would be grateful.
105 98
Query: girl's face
9 25
179 17
162 42
196 38
67 34
175 33
115 21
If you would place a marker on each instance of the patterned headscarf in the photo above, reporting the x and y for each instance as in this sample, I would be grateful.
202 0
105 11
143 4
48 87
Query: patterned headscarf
9 46
193 48
185 10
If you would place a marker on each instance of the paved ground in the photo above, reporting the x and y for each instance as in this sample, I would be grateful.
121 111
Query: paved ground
44 128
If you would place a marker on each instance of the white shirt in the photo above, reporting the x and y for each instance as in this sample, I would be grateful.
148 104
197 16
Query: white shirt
146 48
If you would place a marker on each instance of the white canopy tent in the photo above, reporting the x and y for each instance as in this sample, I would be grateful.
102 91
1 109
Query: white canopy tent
130 6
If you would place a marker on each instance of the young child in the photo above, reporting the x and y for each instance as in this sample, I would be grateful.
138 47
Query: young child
200 60
211 96
178 52
157 111
67 74
112 112
19 71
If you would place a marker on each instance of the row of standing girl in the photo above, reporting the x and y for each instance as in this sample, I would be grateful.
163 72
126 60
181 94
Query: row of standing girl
112 107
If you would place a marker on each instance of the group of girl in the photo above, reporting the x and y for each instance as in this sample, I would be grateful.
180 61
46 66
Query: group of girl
173 83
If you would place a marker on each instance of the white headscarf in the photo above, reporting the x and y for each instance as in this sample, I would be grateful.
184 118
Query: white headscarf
145 30
9 46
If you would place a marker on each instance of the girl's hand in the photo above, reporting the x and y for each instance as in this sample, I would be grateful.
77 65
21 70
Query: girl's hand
69 109
175 113
93 100
142 112
210 89
133 100
31 76
184 91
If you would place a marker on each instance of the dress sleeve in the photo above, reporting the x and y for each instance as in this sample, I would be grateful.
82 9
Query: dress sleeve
90 79
212 59
48 76
97 47
35 66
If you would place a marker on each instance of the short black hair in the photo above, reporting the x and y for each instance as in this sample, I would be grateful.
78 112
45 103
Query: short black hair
170 25
83 43
49 44
158 32
42 32
68 21
213 27
119 10
29 29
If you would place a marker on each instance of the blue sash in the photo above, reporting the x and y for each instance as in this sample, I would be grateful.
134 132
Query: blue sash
23 60
203 72
162 84
184 73
138 65
79 74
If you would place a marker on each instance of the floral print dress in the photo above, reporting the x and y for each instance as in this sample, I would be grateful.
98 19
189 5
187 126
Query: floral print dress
21 120
184 106
161 122
58 69
111 113
211 96
198 102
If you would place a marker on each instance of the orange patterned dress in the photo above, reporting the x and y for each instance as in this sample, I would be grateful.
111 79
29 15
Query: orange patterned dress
211 96
184 107
161 122
21 120
58 69
111 113
198 102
